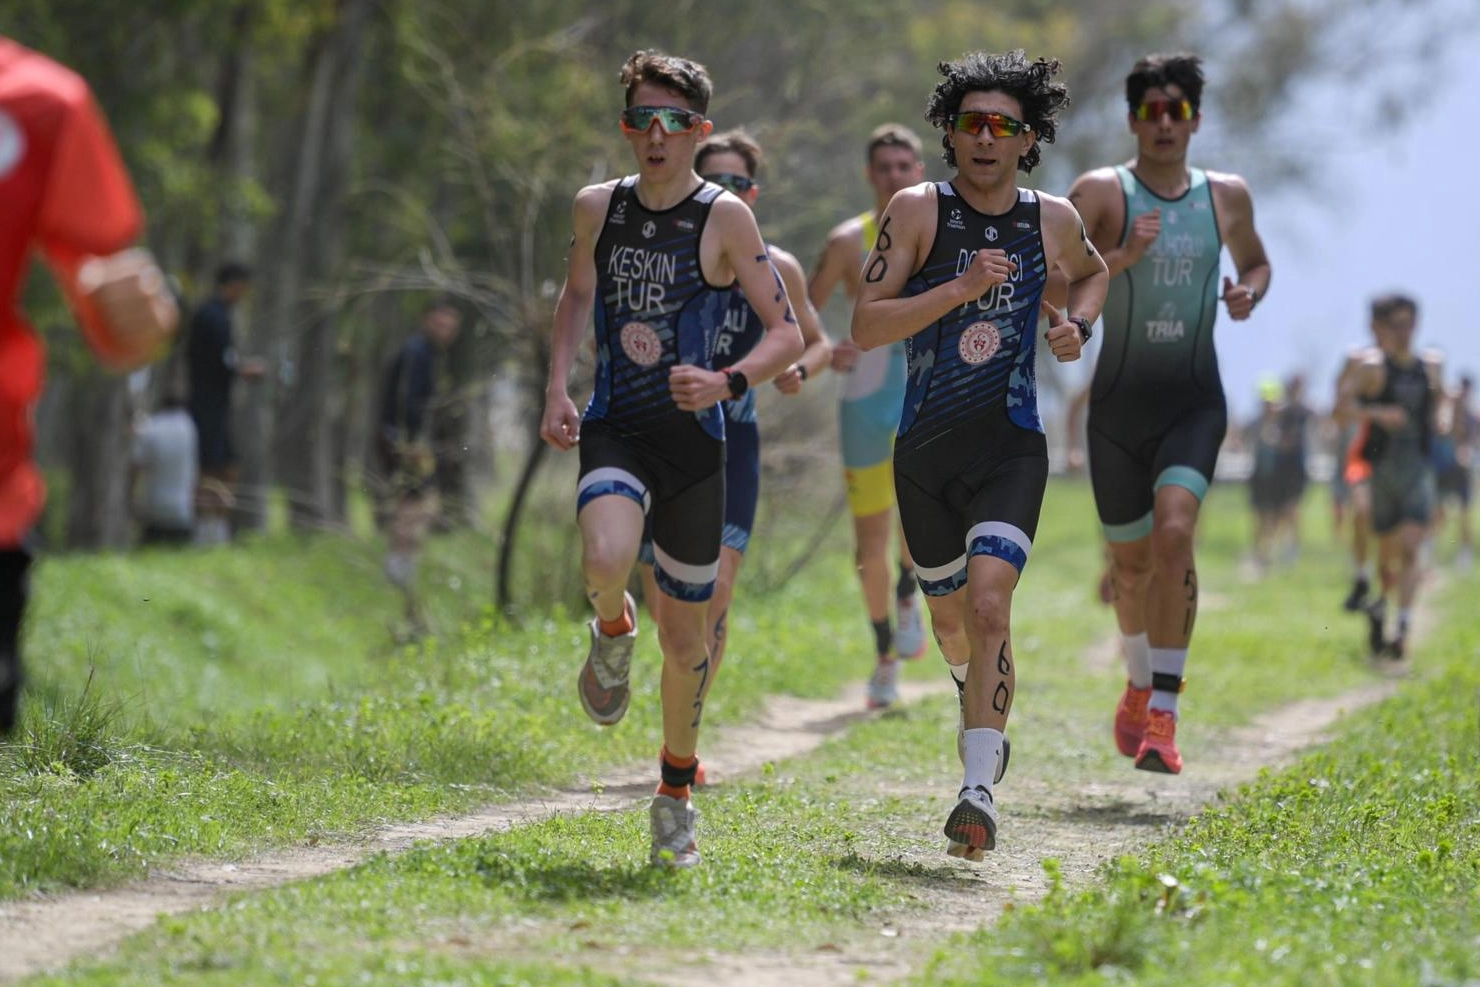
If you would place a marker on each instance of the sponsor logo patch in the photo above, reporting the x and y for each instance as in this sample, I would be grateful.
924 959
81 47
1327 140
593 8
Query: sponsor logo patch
979 342
641 344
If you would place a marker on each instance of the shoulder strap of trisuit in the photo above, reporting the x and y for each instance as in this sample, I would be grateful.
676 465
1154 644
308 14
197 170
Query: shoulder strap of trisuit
870 231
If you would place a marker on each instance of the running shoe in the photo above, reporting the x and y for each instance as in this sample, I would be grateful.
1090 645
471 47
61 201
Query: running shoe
909 629
1394 650
1357 598
961 735
883 686
674 822
971 828
1376 619
1158 750
1130 719
603 682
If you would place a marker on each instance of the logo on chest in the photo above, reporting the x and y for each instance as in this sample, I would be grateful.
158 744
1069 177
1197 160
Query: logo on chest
979 342
641 344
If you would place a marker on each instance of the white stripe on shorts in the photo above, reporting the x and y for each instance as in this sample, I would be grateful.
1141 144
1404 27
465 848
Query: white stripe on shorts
697 575
936 573
605 474
1001 529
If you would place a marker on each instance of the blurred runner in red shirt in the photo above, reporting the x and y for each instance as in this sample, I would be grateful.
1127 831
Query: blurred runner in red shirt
64 190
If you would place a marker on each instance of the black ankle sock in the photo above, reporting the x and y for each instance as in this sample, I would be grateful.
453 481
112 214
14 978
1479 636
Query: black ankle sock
905 588
883 636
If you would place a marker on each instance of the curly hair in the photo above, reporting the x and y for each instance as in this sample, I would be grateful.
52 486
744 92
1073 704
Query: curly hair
678 75
1030 83
1159 71
736 141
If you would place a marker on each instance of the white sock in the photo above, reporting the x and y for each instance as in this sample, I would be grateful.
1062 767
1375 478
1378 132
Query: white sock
983 751
1403 616
1364 571
1137 659
958 672
1167 661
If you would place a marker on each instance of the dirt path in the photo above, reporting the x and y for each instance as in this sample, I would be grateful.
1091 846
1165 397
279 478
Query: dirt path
42 934
1083 826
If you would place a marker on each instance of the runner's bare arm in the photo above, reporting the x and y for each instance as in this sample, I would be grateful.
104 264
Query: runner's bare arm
1101 204
818 350
880 315
1070 251
561 423
743 251
833 267
1236 227
1367 381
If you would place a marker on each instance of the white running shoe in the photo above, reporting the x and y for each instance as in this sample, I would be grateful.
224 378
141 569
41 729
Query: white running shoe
909 628
673 823
972 826
883 686
603 681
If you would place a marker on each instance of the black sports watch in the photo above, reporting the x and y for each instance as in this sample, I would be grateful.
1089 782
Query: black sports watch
1085 332
737 381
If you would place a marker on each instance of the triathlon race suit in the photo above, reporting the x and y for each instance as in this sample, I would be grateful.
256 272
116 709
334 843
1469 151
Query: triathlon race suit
741 330
1402 474
971 462
873 392
1157 414
1451 470
657 311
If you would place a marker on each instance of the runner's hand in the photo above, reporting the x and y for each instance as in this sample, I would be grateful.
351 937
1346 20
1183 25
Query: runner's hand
1144 231
561 423
1239 298
695 389
844 355
1063 338
789 381
988 268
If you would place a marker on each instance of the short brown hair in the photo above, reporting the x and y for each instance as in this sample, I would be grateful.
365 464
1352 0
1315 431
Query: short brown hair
1384 307
735 141
893 135
678 75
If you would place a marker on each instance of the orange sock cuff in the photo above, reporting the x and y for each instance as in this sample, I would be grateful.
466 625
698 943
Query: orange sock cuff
616 628
677 774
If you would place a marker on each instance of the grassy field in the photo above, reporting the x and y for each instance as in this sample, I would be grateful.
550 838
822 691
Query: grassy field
1354 866
212 702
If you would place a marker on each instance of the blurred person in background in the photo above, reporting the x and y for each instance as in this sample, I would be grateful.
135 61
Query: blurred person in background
872 391
415 383
1456 433
1396 393
212 366
165 464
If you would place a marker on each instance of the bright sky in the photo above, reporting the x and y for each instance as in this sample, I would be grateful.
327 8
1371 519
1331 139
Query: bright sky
1393 213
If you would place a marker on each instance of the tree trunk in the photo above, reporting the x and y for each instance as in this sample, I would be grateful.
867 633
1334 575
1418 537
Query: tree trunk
97 504
309 256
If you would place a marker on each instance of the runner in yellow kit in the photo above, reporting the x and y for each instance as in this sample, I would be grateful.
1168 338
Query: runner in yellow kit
872 398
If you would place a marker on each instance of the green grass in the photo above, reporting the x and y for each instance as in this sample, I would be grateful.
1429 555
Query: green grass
1357 866
212 702
1365 851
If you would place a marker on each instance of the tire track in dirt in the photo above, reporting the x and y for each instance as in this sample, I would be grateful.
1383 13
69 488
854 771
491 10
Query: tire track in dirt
44 933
